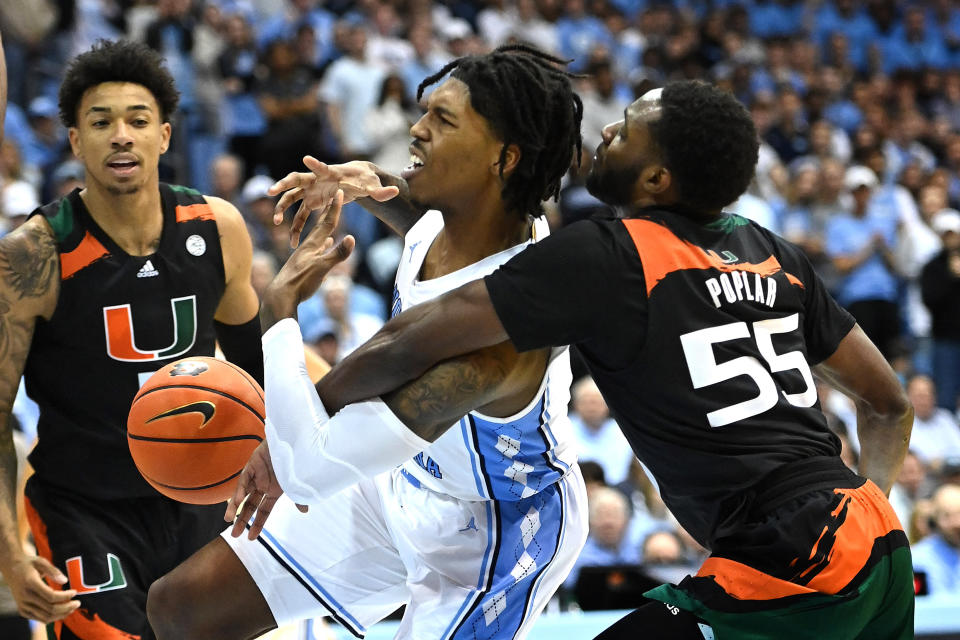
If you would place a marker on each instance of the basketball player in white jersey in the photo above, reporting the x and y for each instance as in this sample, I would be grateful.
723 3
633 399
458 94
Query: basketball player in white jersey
457 495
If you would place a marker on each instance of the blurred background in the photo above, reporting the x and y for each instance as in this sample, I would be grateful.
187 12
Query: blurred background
857 103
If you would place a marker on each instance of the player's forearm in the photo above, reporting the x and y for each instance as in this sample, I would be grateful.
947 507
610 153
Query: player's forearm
385 362
884 438
458 322
10 545
399 213
315 456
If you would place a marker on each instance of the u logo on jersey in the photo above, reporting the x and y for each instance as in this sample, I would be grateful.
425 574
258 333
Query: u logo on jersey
116 579
122 344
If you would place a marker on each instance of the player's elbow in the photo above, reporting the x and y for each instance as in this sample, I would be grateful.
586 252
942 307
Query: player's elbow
891 408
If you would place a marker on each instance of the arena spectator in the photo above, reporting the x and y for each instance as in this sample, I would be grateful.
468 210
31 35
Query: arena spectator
288 98
350 89
389 123
226 178
912 484
243 121
603 100
19 199
860 244
936 434
597 434
608 543
940 287
938 555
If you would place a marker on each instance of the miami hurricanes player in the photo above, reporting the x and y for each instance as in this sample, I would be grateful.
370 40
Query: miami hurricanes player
98 290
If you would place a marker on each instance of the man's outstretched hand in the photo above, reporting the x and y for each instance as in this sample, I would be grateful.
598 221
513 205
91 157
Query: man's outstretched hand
316 190
258 491
306 268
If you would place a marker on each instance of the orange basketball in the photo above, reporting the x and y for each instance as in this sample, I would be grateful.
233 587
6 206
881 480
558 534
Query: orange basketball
192 428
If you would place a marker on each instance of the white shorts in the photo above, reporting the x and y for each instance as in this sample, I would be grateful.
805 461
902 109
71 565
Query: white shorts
464 569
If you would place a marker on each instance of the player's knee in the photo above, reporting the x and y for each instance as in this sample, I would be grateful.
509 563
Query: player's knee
167 610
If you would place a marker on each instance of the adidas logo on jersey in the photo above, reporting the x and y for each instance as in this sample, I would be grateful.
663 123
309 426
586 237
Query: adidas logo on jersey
147 270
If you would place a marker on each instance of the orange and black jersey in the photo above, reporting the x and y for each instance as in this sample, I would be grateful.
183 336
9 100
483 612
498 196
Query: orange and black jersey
700 337
118 319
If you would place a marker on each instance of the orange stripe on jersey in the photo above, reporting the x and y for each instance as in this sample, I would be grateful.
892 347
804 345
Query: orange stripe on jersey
87 252
792 279
746 583
85 624
199 211
663 253
864 515
839 554
39 530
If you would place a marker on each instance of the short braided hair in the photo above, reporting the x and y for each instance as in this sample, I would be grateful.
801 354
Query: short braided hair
117 61
528 99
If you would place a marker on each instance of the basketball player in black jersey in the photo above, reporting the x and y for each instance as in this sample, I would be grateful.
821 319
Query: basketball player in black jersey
703 330
97 291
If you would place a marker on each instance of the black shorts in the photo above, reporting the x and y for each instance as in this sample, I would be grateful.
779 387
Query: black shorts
830 563
112 551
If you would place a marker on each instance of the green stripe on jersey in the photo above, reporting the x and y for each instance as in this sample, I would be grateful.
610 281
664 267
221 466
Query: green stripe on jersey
62 222
188 190
727 222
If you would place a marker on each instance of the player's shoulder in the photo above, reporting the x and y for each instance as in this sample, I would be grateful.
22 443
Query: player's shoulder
35 235
235 239
223 210
29 265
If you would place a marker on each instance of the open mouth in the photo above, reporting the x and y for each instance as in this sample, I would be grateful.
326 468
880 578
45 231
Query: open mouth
122 167
416 164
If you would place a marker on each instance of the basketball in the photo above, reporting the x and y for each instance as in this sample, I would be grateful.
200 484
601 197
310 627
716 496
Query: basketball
192 428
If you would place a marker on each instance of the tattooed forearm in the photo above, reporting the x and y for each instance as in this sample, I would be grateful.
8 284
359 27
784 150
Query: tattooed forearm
15 338
430 404
8 452
28 262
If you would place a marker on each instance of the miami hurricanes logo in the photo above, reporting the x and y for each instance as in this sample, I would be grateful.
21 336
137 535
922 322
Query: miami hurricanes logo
75 574
121 342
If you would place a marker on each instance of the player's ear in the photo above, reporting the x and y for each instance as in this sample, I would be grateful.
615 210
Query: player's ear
510 160
655 178
74 136
165 137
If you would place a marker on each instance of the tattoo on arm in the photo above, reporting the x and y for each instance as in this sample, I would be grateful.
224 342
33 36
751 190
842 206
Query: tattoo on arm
27 267
28 271
437 399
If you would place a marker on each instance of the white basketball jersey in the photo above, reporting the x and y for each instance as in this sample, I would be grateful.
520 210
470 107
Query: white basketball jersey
483 457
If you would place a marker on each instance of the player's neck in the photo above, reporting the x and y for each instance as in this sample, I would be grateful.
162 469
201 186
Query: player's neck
134 221
466 239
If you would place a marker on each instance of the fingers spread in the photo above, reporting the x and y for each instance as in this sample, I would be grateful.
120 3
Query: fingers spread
320 169
292 179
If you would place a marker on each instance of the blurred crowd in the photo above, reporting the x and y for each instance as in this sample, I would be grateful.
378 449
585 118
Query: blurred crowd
857 103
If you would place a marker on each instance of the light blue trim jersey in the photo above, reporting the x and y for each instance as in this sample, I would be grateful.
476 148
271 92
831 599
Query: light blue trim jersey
484 457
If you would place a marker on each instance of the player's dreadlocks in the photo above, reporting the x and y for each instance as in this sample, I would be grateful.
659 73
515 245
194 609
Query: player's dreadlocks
119 61
526 96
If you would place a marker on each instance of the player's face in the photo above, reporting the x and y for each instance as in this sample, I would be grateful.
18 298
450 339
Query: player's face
119 136
454 153
626 150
